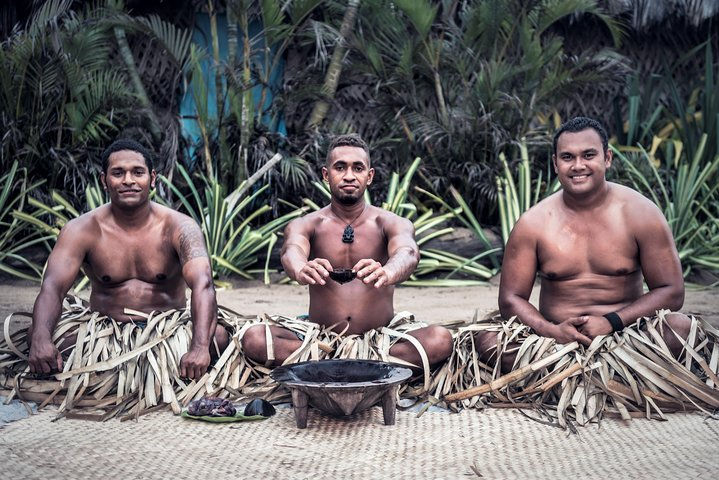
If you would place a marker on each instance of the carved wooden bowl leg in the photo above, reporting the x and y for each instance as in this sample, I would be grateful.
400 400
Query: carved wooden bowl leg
300 402
389 405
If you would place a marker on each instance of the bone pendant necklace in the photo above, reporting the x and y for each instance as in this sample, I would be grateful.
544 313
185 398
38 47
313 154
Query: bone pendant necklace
348 236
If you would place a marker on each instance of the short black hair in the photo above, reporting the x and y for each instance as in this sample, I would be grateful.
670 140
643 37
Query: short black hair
578 124
347 140
126 144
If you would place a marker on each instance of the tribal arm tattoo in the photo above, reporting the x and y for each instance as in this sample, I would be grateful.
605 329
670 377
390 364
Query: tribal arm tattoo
192 243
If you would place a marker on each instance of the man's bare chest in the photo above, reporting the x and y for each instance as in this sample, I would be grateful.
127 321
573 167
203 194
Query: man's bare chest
118 257
330 241
572 249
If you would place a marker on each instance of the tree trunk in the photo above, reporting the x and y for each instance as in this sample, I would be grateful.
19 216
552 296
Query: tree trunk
129 60
225 159
334 70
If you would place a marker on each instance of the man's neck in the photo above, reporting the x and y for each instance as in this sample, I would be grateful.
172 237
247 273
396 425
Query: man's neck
347 213
136 217
588 201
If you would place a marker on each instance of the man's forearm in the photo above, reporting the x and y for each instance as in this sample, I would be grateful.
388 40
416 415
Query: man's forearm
45 315
401 265
203 306
293 259
671 298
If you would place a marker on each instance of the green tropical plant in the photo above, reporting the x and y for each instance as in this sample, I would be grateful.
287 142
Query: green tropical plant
456 82
244 85
233 241
62 96
45 221
429 225
334 69
660 110
695 120
57 89
15 238
49 219
674 160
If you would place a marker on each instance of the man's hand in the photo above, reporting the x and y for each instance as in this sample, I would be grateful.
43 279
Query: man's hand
314 272
44 357
370 271
194 363
595 326
570 330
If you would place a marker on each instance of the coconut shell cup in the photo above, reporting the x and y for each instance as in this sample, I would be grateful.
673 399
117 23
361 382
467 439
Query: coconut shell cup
343 275
259 406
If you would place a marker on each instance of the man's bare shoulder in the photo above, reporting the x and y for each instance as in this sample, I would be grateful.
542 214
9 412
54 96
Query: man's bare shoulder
389 219
630 196
635 206
87 223
171 217
311 220
538 214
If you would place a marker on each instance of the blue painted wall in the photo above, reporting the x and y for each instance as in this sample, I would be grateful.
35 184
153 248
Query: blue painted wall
202 36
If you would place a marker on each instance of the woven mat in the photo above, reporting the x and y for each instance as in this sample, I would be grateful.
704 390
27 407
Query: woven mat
498 443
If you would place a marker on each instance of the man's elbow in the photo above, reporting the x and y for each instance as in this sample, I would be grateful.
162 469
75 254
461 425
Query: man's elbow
508 303
505 307
287 266
204 287
676 299
412 261
414 257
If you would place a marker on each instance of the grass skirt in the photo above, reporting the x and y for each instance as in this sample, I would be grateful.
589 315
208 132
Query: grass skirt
126 369
627 374
118 368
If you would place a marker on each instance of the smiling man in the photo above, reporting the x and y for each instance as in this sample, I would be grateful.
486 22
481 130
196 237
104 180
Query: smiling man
378 246
593 244
138 255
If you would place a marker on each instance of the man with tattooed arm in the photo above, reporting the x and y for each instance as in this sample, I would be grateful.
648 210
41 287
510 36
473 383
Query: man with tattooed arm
138 255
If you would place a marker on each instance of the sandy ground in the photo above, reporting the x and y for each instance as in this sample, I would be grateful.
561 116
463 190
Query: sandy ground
429 304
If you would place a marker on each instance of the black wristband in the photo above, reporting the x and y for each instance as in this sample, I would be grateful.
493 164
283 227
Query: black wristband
615 321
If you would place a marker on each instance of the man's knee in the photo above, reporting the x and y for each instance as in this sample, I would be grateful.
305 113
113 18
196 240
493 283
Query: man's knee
436 341
679 322
254 343
222 339
439 343
679 326
485 343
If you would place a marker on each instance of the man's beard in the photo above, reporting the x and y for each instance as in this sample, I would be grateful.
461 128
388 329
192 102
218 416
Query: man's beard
347 200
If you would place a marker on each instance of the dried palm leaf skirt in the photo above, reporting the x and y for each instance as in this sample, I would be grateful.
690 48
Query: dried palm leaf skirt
127 369
628 374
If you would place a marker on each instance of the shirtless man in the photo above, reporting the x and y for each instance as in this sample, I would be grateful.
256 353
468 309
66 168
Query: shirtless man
348 233
593 244
138 255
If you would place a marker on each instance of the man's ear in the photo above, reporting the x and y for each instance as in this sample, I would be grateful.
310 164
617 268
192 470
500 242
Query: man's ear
554 163
325 175
370 176
102 181
153 177
608 157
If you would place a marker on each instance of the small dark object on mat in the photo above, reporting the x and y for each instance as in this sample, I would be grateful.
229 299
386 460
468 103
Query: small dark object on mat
211 406
343 275
259 406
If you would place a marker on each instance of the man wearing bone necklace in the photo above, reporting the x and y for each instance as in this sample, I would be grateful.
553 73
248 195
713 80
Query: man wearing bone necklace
349 238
